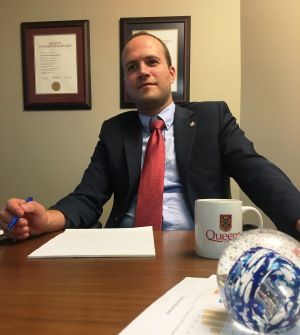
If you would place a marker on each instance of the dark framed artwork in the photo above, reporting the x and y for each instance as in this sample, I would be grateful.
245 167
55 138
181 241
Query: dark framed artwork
174 31
56 65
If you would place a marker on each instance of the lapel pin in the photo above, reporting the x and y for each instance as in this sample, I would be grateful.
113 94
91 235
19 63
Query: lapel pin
192 124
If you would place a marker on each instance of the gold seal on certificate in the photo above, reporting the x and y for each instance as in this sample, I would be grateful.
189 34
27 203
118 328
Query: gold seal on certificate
56 86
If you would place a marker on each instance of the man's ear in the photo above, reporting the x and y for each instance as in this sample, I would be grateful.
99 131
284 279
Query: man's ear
173 73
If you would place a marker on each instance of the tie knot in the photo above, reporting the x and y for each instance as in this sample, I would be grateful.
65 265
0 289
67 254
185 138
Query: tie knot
156 124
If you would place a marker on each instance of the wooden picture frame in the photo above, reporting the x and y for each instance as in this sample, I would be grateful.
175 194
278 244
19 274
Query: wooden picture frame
56 65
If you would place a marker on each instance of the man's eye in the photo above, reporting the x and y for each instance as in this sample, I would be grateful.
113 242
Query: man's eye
131 67
152 62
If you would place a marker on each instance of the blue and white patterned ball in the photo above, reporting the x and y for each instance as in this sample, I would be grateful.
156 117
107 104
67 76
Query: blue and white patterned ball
259 279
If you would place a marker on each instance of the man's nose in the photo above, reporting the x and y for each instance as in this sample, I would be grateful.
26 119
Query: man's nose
143 69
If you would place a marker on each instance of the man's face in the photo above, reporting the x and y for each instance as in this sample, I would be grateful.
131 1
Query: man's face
147 76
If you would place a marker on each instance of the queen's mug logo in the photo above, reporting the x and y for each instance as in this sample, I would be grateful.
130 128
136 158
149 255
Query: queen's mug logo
225 222
217 222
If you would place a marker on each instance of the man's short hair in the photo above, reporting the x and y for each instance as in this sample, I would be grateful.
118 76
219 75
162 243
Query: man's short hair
145 33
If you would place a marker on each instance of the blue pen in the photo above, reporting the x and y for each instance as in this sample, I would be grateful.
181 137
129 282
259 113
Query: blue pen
15 219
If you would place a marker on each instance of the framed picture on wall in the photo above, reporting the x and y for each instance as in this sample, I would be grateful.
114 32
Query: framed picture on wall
56 65
174 31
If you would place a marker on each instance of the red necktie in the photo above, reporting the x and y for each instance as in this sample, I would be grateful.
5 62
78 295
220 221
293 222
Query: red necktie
151 187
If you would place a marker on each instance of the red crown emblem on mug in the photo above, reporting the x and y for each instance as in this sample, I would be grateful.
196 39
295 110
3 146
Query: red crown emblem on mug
225 222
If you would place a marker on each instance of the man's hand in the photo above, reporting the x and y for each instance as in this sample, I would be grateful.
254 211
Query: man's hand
34 219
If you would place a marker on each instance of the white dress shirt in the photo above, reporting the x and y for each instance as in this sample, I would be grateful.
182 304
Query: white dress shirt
175 213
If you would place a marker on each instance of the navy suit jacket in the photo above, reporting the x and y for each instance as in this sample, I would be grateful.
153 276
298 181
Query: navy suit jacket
210 147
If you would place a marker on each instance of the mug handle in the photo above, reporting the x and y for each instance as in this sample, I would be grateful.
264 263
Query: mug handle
257 213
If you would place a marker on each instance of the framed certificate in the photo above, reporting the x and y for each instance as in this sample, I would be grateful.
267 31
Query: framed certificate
56 65
174 31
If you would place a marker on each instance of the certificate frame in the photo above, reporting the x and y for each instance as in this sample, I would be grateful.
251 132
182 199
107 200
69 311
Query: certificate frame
33 66
181 24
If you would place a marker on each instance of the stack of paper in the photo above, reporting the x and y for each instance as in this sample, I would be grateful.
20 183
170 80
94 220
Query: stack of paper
192 307
122 242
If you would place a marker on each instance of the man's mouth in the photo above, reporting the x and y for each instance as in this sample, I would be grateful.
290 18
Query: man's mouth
145 85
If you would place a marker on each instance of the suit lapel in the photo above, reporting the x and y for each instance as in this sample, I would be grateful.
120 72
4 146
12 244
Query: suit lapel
133 149
184 133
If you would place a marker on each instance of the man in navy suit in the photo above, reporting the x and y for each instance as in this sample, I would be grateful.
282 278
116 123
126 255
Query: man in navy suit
204 147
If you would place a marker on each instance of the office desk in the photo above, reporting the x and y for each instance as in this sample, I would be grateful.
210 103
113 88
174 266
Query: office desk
89 295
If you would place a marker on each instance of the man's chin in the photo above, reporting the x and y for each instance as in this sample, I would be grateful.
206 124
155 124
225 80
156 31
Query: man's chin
148 101
150 105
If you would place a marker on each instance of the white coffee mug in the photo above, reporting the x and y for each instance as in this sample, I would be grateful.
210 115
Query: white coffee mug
217 222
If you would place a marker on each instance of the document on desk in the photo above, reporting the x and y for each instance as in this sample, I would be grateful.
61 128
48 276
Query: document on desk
2 235
115 242
192 307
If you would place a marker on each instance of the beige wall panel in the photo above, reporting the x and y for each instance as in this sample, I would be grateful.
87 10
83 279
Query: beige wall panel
270 100
44 153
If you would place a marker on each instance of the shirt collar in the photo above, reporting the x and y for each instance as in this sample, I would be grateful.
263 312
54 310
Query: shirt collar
167 115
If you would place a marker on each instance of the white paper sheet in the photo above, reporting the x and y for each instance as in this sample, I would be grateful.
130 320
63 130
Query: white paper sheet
2 235
192 307
115 242
55 64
